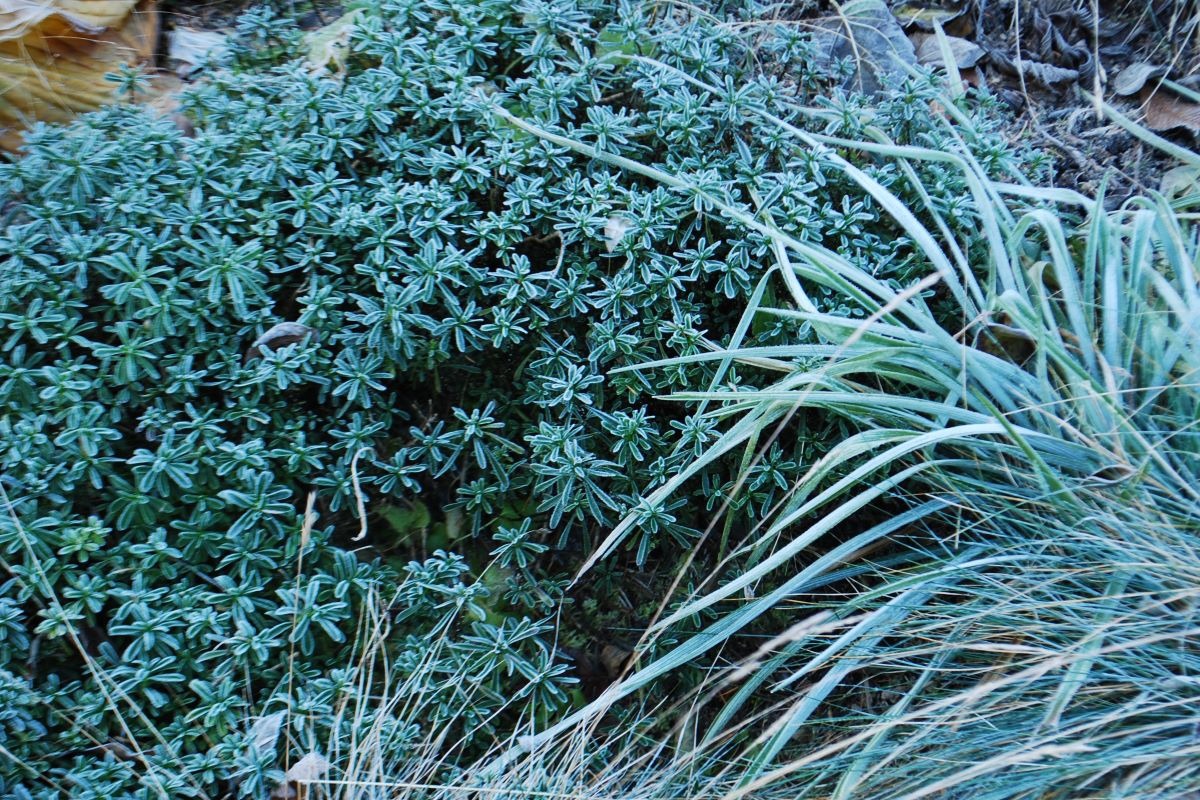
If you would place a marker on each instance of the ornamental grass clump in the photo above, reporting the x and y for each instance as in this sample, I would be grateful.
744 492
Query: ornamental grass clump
1021 622
374 286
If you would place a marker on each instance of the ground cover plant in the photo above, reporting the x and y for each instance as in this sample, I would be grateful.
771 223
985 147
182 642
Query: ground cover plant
418 284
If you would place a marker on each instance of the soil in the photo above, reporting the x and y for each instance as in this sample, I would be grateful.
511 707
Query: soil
1046 59
1099 40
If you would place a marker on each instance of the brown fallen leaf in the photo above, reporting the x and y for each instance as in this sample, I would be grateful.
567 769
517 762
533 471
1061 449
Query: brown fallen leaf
1007 342
599 665
1164 111
54 55
164 100
18 18
974 77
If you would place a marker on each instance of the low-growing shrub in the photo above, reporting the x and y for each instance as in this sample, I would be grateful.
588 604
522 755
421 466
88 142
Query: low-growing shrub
367 284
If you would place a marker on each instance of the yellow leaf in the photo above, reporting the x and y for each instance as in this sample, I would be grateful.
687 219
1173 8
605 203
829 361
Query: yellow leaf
54 55
20 18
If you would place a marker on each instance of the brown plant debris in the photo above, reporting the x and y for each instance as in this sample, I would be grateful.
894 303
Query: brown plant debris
54 55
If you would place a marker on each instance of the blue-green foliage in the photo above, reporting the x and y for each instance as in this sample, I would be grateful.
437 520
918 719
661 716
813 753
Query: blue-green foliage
462 314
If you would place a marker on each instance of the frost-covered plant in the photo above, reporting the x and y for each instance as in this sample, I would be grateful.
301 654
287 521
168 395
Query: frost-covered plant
372 287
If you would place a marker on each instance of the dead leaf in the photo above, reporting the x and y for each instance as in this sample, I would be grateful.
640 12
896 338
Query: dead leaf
277 336
309 768
54 55
265 731
330 45
1180 182
1002 340
164 101
966 54
1045 74
614 232
20 18
614 658
1134 77
924 18
190 48
974 77
1166 112
866 33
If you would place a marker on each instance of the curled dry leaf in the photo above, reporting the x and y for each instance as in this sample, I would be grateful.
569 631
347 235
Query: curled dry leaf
975 77
19 18
925 16
165 101
309 768
278 336
1045 74
54 55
